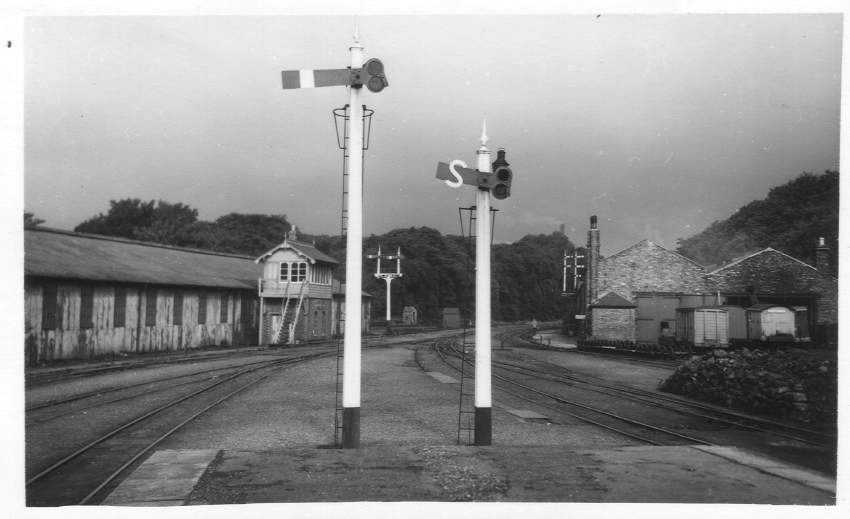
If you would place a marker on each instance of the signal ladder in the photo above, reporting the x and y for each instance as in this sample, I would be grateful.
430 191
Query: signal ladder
338 410
342 119
466 396
466 391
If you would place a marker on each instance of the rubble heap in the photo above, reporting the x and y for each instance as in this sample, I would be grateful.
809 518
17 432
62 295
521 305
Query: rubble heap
784 384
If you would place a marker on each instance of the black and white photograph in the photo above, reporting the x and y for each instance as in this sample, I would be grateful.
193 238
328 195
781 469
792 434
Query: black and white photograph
464 259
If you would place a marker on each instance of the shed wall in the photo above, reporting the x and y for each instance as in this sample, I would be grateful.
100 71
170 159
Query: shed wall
69 340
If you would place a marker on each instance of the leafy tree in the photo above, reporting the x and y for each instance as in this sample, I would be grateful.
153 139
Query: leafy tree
30 220
166 223
790 219
122 219
251 234
177 224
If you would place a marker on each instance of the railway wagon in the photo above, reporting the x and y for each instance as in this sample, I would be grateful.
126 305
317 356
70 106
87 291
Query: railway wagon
767 322
703 327
737 316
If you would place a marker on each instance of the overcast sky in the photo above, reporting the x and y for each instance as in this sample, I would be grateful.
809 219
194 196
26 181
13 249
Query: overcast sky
658 124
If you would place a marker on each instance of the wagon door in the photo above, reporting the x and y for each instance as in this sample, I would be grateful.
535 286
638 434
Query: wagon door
777 320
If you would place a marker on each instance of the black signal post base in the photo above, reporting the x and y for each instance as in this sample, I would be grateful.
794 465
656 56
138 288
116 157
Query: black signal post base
351 428
483 426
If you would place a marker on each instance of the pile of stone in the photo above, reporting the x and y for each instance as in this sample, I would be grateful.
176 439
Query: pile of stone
785 384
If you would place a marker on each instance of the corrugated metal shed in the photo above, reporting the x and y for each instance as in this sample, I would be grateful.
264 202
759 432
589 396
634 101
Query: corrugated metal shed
64 254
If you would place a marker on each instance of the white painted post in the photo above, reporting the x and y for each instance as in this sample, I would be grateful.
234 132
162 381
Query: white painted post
389 280
353 263
564 287
483 397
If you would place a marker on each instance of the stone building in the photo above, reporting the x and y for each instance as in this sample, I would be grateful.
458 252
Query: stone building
773 277
634 293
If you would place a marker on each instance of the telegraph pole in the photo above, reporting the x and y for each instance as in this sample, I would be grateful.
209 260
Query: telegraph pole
498 184
357 75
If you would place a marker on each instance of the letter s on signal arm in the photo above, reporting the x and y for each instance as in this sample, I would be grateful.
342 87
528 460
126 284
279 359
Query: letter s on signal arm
458 181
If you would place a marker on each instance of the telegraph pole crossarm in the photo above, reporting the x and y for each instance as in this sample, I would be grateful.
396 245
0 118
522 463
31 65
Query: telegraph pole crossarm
388 277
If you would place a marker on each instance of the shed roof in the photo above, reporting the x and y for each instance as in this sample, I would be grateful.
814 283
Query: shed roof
764 306
612 300
704 307
766 250
304 249
646 243
70 255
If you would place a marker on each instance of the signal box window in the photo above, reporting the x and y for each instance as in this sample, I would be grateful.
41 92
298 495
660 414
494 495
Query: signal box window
299 272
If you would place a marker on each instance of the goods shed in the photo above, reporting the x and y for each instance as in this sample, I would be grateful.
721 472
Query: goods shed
88 295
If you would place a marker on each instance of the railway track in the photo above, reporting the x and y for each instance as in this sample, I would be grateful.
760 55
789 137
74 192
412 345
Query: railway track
648 414
676 404
685 406
614 422
520 338
84 474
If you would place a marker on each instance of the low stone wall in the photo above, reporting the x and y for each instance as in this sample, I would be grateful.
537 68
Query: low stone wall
797 385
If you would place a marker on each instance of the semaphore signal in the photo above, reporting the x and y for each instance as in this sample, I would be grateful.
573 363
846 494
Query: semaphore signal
371 74
495 179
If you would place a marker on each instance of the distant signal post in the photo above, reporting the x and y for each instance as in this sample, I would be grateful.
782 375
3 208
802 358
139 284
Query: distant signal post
388 277
497 183
358 74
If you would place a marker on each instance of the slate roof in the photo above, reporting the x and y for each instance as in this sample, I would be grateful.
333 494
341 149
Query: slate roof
647 243
612 300
69 255
757 253
305 249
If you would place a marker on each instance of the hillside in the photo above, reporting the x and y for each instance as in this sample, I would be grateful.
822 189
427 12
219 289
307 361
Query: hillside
791 219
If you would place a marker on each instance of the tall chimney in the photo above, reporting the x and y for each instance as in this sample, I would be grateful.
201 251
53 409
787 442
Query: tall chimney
592 262
822 254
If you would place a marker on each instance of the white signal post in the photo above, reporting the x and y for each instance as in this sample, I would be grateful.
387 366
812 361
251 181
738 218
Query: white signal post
353 264
456 174
371 75
483 347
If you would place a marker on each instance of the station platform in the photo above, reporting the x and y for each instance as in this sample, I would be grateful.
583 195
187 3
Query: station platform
272 447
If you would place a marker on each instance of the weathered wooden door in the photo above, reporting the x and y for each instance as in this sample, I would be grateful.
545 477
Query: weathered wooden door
277 322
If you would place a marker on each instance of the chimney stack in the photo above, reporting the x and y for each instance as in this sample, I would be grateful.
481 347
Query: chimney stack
592 262
822 254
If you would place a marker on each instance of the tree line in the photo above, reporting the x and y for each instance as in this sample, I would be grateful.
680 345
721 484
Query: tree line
791 219
526 275
438 269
